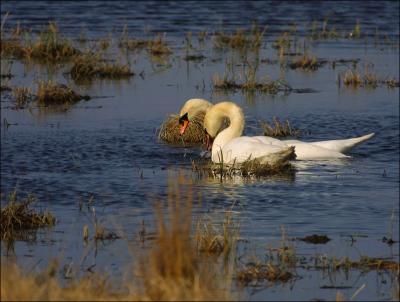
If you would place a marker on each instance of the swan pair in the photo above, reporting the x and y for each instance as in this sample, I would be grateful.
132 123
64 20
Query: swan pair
229 146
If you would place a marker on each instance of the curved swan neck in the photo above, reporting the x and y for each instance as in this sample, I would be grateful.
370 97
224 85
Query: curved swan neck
214 119
195 106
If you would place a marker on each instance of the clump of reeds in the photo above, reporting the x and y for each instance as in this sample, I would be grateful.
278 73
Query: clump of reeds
364 263
17 285
173 269
240 39
260 272
356 32
49 46
90 65
194 134
324 32
22 96
355 79
283 42
306 62
50 93
278 128
158 47
269 86
18 218
216 239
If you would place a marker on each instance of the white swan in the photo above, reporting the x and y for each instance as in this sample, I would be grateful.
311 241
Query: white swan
230 147
190 109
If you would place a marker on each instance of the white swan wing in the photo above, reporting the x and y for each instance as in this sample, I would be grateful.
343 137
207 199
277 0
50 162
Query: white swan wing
240 149
310 151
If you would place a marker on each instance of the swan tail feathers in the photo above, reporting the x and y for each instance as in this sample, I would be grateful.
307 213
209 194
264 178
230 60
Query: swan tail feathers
343 145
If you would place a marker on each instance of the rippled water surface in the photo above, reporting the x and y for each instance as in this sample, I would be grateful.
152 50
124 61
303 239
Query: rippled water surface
107 148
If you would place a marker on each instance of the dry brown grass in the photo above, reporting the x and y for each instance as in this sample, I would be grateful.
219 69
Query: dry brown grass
365 263
306 62
158 47
260 272
18 219
22 96
48 46
269 86
240 40
172 269
354 79
194 134
50 93
278 128
90 65
17 285
218 238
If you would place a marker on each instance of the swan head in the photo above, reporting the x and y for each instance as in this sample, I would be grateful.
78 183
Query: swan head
189 111
214 122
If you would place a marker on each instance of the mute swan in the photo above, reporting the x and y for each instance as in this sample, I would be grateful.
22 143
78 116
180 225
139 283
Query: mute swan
232 147
190 109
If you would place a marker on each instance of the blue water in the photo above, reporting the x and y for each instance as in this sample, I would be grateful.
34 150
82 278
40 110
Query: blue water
107 147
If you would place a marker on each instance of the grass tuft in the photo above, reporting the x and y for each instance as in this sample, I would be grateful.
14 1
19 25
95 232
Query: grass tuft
18 219
90 65
22 96
194 134
306 62
48 46
51 93
279 129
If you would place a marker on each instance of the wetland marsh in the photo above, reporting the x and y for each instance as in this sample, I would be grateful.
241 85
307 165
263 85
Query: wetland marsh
85 87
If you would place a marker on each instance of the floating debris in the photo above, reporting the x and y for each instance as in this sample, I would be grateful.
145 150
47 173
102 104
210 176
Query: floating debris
315 239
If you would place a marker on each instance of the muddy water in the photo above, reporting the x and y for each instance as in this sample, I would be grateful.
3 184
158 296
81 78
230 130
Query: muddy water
107 147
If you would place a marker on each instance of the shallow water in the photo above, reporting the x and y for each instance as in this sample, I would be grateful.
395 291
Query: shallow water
107 147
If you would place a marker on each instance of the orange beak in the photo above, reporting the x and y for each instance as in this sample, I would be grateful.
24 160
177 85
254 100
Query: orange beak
184 126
